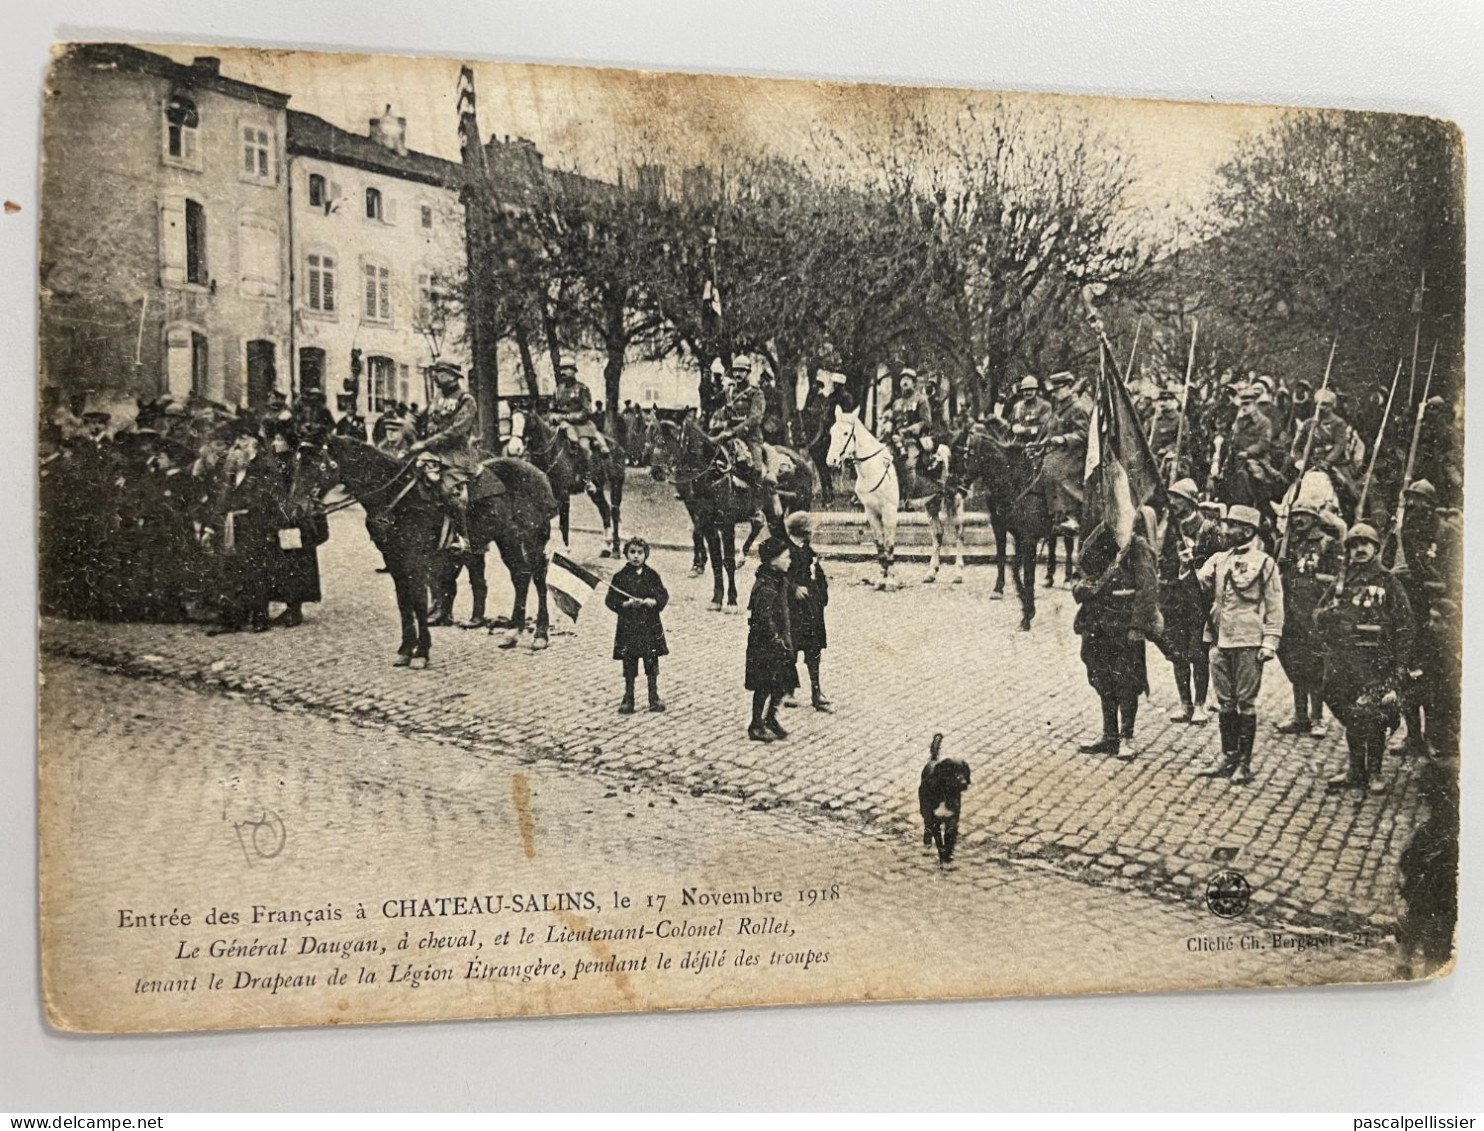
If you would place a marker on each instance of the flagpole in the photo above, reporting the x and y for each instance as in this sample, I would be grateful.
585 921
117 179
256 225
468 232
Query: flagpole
1195 325
1400 564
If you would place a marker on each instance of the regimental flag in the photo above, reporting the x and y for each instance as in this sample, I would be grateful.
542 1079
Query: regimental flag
1121 474
570 584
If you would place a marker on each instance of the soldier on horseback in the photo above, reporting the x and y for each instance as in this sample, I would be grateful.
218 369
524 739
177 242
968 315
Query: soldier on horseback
739 425
911 422
1336 448
572 416
1246 455
448 437
1031 415
1065 451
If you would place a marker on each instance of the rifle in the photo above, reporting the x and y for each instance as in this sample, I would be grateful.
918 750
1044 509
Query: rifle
1400 564
1365 486
1309 442
1195 326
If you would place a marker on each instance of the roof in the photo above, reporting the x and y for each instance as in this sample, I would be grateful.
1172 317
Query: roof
312 136
204 76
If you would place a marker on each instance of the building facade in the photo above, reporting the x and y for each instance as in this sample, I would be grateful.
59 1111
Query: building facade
164 239
377 232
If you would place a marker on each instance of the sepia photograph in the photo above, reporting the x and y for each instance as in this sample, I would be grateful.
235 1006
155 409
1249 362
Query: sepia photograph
520 540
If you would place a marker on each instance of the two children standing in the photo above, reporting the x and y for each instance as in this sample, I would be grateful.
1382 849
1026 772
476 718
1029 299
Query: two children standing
786 617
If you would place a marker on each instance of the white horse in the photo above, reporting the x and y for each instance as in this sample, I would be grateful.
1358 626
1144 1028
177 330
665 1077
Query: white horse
875 485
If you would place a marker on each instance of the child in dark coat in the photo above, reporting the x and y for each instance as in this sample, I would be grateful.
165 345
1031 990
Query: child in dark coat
638 596
771 673
809 593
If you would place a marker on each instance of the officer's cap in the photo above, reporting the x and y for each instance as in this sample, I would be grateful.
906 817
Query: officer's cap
1362 532
741 364
1167 395
1266 382
1303 508
1213 507
1057 380
1247 516
1185 489
566 361
96 416
1422 489
445 371
907 375
1029 384
1325 396
1247 394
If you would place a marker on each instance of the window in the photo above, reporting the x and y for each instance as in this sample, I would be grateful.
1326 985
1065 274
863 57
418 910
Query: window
181 123
383 376
426 212
317 190
378 306
198 363
257 154
311 370
259 253
404 384
319 279
373 204
195 243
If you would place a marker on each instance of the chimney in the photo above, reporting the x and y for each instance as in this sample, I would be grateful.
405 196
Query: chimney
207 64
390 132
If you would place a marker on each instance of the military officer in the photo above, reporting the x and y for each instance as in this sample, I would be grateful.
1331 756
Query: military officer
1188 541
1031 415
1335 444
1423 582
1309 567
448 432
1366 624
572 415
313 421
1245 629
1118 595
351 422
1164 431
742 423
1065 450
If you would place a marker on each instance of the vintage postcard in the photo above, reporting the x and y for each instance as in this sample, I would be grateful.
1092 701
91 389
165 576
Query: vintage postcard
524 540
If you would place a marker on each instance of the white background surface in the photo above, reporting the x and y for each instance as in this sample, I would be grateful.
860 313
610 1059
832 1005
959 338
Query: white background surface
1412 1048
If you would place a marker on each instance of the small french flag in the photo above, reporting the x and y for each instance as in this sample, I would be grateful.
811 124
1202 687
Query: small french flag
570 584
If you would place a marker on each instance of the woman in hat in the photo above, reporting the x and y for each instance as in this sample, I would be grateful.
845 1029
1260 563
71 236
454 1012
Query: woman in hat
809 593
302 529
771 671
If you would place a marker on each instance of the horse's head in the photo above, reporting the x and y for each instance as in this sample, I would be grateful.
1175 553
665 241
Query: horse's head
663 440
318 472
844 438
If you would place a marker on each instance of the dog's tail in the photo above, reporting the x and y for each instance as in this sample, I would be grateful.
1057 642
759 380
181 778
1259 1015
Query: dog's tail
937 745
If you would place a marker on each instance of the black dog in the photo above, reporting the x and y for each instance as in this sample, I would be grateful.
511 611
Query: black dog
939 798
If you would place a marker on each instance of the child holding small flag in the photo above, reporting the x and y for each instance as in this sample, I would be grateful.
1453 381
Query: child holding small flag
638 596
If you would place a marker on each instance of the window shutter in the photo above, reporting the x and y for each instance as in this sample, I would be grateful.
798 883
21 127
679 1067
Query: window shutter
327 283
312 275
370 291
172 242
178 359
389 208
386 294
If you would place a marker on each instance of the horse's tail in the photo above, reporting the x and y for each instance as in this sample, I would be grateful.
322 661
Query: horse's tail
806 462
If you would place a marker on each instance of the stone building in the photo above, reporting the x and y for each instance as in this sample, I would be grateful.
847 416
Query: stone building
377 232
165 229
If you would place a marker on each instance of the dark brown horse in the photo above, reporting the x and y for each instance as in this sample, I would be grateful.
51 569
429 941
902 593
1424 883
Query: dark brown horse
1012 486
408 523
533 439
704 476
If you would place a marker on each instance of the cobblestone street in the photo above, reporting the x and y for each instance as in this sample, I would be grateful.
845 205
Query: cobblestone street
900 666
372 810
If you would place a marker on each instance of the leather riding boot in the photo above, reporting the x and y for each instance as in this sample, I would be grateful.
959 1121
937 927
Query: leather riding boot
476 616
627 706
1246 735
1227 763
1375 756
1354 776
1108 743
